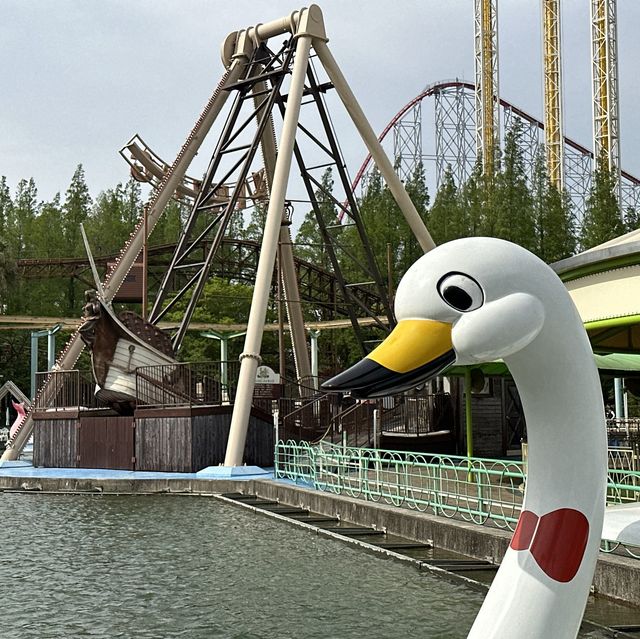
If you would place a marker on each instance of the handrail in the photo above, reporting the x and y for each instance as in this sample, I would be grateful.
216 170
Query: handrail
477 490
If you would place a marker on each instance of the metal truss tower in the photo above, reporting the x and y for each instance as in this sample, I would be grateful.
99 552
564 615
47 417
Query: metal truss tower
487 92
454 131
407 143
604 66
552 67
450 141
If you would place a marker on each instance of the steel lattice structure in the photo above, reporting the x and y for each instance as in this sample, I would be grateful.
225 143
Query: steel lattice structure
451 140
552 67
604 65
487 84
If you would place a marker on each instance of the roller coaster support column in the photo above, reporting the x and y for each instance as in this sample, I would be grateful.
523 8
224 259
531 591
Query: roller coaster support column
129 254
250 358
369 137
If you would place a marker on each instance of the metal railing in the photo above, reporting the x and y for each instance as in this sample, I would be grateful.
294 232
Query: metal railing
478 490
482 491
185 384
65 390
328 417
417 414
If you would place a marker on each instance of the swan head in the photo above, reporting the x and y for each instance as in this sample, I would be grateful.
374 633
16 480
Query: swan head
468 301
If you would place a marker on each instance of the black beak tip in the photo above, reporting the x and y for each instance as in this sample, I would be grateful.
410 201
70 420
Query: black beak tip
337 384
354 378
368 379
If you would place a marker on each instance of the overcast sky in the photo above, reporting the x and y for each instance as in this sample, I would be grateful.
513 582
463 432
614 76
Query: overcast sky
80 77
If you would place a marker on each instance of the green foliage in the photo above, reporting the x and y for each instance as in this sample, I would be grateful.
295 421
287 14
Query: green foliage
255 227
24 211
554 219
7 254
475 199
385 227
113 218
602 220
449 218
631 219
76 209
534 214
513 202
310 245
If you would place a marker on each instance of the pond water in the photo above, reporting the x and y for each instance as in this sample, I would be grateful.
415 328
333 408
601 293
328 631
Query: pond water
159 567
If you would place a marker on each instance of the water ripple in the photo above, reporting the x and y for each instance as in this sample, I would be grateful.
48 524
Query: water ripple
159 567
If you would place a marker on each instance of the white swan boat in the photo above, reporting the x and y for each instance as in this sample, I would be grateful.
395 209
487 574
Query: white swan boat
481 299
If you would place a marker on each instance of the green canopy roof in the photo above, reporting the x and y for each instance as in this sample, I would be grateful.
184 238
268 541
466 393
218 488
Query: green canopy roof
616 364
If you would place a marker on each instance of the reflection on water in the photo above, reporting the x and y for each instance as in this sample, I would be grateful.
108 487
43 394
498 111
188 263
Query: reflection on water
161 566
165 566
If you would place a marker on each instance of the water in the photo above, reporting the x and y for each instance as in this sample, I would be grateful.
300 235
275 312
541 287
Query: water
160 567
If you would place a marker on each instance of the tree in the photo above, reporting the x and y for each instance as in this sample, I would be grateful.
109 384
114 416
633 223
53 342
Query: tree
385 225
255 228
169 227
7 261
235 228
76 209
514 220
310 245
631 219
44 243
448 218
475 199
25 209
554 219
417 190
6 208
602 220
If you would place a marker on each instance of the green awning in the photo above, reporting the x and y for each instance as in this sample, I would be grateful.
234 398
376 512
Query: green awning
616 364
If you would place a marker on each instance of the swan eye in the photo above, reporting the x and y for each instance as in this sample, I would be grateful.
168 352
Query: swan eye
461 292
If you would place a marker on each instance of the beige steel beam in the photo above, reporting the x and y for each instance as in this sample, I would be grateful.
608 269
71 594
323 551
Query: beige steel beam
552 68
129 254
604 65
307 26
374 147
287 265
487 88
250 357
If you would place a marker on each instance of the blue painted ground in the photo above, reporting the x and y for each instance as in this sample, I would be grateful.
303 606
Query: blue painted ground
25 469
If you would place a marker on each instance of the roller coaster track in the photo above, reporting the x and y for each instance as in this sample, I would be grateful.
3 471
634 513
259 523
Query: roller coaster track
237 261
455 141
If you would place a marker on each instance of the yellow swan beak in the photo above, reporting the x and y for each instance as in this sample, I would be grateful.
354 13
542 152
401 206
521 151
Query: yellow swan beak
415 351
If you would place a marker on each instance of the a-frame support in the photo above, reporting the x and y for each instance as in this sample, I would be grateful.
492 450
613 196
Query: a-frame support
307 27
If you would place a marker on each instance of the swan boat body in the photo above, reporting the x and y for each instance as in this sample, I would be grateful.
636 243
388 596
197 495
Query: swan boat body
480 299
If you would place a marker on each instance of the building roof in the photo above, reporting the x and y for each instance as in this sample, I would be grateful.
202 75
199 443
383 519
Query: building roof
604 283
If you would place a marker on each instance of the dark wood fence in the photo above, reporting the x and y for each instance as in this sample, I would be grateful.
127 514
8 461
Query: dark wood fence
106 442
188 439
55 442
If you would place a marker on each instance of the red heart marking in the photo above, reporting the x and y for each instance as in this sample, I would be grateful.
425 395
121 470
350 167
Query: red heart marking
556 540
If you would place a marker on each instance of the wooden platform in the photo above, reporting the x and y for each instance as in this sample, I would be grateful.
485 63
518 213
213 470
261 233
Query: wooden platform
182 440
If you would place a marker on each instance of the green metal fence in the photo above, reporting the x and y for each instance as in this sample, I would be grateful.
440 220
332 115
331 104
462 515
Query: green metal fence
477 490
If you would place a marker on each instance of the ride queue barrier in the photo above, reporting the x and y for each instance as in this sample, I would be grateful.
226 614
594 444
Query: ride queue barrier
481 491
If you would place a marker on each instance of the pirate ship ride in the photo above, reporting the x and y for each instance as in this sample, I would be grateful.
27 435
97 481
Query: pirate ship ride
119 346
